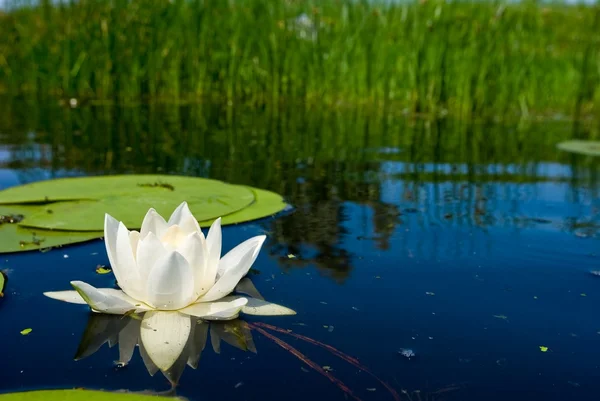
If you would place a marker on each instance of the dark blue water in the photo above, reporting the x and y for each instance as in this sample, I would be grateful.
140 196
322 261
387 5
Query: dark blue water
471 245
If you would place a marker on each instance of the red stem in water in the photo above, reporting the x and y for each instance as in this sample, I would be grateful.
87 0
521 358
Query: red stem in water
304 359
334 351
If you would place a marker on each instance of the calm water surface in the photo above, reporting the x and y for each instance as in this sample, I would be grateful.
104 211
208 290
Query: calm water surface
470 245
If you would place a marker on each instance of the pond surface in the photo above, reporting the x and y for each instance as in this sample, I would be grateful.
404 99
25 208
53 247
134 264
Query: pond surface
443 255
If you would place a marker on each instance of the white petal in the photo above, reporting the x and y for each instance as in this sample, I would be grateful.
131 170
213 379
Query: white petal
149 251
164 335
128 339
180 214
153 222
134 239
173 238
190 225
234 273
245 286
170 284
263 308
150 366
72 296
207 309
213 245
233 257
100 301
193 249
111 227
129 279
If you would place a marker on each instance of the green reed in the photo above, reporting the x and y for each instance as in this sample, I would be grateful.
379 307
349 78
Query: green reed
466 58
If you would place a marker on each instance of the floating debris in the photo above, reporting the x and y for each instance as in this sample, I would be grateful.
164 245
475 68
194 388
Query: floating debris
543 348
430 293
327 368
574 384
302 368
595 273
583 294
501 362
238 385
502 317
66 256
100 269
291 256
371 389
330 329
407 353
355 308
11 218
323 302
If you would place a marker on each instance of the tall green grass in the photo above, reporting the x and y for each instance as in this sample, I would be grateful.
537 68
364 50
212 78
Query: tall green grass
480 58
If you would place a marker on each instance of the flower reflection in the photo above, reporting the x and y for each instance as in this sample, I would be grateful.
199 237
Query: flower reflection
167 341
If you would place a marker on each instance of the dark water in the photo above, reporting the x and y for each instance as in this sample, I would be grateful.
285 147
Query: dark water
470 244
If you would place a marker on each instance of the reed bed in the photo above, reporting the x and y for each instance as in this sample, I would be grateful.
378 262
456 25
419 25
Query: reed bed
464 58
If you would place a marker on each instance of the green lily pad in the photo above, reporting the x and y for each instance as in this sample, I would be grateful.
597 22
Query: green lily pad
590 148
2 283
15 238
80 203
79 395
266 203
32 222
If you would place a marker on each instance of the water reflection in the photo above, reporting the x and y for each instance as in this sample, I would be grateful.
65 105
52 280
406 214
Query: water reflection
161 341
398 176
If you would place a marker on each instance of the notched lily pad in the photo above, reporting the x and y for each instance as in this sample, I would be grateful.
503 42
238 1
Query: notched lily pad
589 148
78 206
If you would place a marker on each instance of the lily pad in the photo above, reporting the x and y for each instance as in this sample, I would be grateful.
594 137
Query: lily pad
37 223
15 238
590 148
79 204
78 395
266 203
2 283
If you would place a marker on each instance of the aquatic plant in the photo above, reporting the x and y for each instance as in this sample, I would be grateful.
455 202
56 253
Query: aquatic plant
466 58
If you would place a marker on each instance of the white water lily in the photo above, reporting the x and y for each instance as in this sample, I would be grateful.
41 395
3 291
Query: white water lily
171 266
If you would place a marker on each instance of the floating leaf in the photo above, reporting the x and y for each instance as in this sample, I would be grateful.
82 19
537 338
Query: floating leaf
79 395
14 238
102 270
543 349
590 148
80 203
266 203
2 283
72 219
26 331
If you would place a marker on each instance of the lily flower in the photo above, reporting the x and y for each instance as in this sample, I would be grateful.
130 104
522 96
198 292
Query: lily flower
170 266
